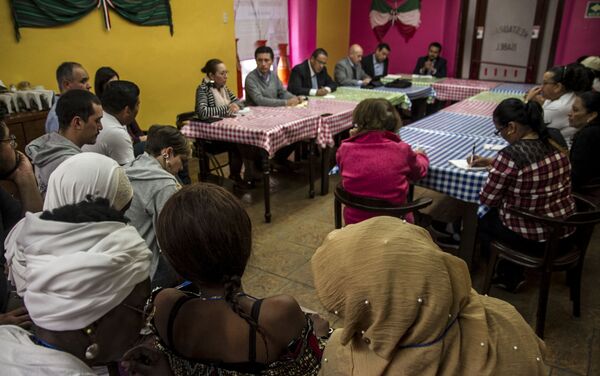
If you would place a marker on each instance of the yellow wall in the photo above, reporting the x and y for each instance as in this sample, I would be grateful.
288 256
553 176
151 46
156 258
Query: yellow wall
167 69
333 28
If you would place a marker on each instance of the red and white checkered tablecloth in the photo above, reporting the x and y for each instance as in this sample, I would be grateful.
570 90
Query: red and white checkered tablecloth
339 120
269 128
455 89
473 107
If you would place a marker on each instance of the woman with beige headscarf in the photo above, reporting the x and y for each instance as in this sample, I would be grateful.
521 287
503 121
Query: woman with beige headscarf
407 308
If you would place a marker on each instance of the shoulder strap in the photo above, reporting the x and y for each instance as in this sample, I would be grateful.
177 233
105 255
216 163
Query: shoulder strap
174 311
252 337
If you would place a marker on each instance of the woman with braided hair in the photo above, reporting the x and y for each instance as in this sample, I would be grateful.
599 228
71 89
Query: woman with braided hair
205 234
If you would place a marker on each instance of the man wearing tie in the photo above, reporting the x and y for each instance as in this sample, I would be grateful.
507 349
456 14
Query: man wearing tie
349 72
432 64
310 77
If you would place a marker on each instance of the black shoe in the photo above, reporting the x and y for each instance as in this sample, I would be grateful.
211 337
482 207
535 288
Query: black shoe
285 166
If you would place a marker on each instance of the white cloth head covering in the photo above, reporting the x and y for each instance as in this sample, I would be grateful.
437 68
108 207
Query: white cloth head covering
88 174
72 274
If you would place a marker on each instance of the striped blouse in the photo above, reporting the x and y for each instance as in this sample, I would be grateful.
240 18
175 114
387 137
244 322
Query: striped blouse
205 102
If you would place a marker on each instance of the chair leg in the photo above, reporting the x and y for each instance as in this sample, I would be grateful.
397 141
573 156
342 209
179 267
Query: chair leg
337 212
542 303
575 287
489 273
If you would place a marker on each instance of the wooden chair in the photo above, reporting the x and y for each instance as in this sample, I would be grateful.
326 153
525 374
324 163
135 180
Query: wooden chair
375 205
584 220
208 147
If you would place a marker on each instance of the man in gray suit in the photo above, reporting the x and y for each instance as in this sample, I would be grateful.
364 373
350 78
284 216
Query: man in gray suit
349 72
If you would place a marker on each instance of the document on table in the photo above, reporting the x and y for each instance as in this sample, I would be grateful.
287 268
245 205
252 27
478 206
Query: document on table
462 163
494 147
329 96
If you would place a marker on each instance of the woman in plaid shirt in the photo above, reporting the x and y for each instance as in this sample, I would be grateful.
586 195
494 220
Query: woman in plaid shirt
533 173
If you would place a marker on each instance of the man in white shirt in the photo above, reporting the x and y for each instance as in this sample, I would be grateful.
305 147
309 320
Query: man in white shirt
121 104
69 76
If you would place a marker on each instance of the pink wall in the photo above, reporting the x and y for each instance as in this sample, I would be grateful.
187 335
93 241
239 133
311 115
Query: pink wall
439 23
577 34
302 29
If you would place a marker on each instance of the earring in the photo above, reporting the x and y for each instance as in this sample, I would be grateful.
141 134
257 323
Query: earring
92 350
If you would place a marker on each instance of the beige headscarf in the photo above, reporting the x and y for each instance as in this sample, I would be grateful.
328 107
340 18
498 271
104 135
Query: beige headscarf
409 309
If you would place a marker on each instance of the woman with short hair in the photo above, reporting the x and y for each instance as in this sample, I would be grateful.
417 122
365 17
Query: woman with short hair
374 161
585 151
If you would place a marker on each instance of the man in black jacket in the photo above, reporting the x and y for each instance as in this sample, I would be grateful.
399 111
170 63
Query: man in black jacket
432 64
376 64
310 77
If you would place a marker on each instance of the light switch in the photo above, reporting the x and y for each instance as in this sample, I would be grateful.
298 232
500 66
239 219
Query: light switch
225 17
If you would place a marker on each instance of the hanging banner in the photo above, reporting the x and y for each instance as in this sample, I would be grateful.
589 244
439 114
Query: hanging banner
383 16
49 13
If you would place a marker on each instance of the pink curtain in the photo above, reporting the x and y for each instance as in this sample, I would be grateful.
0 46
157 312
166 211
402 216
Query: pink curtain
302 24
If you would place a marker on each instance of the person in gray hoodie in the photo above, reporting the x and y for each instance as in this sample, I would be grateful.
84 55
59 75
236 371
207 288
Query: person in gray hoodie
79 113
152 176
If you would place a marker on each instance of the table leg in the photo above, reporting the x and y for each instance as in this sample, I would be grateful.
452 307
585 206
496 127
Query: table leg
325 170
203 162
266 184
311 172
468 234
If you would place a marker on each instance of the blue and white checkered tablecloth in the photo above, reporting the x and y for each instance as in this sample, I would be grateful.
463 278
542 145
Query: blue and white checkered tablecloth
441 148
413 92
513 88
455 123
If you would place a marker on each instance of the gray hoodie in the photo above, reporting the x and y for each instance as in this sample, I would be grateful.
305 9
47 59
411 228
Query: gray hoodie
46 153
152 187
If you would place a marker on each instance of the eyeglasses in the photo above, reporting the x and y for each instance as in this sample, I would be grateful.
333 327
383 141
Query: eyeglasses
322 63
498 131
12 139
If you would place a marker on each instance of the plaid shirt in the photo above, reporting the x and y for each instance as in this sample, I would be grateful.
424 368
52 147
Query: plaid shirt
532 176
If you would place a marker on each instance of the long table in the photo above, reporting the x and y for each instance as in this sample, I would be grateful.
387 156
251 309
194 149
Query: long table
455 89
272 128
452 134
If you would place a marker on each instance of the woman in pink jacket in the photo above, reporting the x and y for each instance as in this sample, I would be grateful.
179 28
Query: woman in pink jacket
374 161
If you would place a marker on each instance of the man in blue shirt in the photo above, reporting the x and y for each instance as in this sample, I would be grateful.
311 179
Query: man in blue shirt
69 75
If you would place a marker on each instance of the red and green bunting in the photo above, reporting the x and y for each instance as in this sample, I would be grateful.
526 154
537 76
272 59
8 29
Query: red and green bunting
48 13
407 17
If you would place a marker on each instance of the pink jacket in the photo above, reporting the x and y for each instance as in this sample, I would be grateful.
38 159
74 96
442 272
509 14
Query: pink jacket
378 164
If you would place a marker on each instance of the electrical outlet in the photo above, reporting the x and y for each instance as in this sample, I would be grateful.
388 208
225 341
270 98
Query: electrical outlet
225 17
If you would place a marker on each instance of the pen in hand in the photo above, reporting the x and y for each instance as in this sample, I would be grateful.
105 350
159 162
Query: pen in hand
472 156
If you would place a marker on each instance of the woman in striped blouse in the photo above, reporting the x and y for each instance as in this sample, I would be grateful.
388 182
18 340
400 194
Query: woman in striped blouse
213 98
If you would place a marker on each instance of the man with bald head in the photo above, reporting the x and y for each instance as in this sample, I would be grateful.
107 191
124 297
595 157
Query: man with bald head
349 72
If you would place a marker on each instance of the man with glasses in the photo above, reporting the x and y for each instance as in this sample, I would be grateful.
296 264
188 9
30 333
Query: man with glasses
16 177
310 77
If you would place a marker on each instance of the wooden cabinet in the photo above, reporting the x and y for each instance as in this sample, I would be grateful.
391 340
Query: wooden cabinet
26 126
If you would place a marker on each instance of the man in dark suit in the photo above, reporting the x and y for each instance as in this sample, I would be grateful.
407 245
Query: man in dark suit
310 77
376 64
432 64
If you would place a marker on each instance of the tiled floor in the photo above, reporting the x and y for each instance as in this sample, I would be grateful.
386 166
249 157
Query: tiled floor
281 264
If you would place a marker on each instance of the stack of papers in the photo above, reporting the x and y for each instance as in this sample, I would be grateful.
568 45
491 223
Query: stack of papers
462 163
